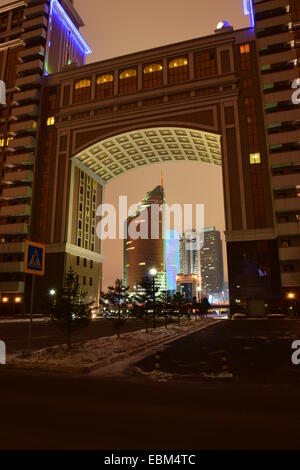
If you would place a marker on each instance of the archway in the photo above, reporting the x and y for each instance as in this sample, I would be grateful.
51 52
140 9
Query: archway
112 157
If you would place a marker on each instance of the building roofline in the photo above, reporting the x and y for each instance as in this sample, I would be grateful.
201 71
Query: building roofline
126 59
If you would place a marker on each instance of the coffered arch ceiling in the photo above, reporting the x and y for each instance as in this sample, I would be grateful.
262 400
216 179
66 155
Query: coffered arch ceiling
112 157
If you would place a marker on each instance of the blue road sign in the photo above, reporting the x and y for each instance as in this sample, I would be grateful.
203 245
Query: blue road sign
34 262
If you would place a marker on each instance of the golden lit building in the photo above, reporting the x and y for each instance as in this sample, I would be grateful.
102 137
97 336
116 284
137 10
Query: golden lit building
143 254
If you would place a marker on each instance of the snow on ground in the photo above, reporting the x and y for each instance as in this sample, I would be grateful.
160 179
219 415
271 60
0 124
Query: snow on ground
90 353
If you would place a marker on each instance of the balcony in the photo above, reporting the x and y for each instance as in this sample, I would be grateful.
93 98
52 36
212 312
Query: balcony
282 116
29 68
12 248
12 267
33 23
27 96
282 158
275 39
15 210
35 11
31 53
288 228
29 126
274 21
24 192
290 279
24 159
281 76
31 81
30 36
291 253
277 96
291 204
31 110
14 229
13 287
22 142
286 181
278 57
284 137
272 4
26 176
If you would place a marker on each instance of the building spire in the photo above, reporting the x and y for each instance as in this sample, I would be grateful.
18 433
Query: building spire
161 179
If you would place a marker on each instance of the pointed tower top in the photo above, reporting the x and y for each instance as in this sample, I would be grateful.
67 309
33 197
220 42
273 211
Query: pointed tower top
161 179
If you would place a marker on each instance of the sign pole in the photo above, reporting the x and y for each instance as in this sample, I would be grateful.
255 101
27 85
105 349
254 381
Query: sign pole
31 316
34 264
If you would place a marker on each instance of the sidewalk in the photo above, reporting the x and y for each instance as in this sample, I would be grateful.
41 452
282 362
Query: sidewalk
87 356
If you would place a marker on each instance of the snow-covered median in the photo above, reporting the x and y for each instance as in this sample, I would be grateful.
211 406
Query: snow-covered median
89 355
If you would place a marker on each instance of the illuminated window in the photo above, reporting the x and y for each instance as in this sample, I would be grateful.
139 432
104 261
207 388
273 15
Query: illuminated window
245 49
9 139
131 248
142 264
254 158
51 121
82 84
178 70
245 57
105 86
128 81
153 76
82 91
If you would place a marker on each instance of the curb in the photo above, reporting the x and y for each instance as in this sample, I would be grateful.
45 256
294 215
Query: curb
38 367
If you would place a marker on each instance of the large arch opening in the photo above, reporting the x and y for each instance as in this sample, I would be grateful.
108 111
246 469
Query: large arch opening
116 155
112 159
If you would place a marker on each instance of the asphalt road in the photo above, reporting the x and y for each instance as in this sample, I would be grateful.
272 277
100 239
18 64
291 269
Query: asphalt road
45 335
256 352
258 408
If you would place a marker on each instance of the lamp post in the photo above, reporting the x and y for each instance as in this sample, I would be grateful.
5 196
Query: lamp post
153 273
291 296
52 293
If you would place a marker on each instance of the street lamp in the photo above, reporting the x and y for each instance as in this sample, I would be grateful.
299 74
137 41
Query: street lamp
52 293
291 296
153 273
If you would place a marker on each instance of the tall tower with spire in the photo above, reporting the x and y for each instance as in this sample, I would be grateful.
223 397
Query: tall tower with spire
141 255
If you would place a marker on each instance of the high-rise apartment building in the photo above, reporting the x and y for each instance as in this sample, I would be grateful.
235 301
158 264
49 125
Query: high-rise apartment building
190 254
212 268
278 47
145 252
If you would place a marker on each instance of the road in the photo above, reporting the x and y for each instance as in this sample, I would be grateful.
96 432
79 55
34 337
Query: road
257 408
257 352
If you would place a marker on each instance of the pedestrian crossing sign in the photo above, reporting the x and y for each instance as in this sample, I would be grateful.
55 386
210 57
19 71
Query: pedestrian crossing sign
34 262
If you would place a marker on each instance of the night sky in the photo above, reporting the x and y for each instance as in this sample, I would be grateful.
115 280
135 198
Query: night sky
120 27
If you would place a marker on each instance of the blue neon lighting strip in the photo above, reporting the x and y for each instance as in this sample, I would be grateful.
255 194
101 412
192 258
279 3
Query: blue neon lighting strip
248 10
55 4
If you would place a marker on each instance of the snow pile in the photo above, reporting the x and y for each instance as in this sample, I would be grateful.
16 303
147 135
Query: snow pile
100 351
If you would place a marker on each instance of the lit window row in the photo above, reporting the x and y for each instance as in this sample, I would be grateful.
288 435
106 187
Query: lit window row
152 77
